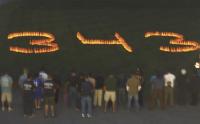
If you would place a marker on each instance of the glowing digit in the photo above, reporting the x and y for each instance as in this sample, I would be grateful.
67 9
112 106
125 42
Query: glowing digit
186 46
118 41
48 42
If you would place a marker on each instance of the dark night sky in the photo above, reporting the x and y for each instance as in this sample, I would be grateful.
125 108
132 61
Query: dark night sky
99 19
106 3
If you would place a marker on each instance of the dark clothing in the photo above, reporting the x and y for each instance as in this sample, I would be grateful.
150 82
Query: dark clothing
57 86
73 96
28 88
111 84
121 82
28 103
194 89
157 83
74 91
121 87
86 89
99 82
73 81
157 93
182 89
49 88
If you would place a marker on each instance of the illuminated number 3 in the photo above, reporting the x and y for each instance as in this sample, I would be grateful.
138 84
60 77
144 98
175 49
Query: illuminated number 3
48 42
186 46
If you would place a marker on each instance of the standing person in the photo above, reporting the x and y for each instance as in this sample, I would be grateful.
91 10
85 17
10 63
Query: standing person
58 85
65 93
49 97
110 92
38 83
121 89
6 83
28 92
73 92
194 88
182 87
23 78
86 98
43 75
92 79
157 90
98 93
141 91
169 80
133 87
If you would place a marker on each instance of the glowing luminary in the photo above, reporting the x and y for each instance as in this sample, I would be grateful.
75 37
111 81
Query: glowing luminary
184 46
118 41
49 42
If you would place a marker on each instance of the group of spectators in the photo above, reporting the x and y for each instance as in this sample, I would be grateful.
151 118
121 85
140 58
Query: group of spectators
168 89
84 92
34 89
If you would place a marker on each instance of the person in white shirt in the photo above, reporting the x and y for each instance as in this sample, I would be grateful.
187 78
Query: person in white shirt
43 75
169 80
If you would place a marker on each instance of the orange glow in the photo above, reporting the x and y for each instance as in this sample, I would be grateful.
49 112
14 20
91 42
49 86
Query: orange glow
118 41
186 46
164 34
51 46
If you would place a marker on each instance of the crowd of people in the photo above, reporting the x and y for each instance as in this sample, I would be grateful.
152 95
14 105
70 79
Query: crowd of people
84 92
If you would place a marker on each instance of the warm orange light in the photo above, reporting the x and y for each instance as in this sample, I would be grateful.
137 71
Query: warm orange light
118 41
186 46
164 34
48 42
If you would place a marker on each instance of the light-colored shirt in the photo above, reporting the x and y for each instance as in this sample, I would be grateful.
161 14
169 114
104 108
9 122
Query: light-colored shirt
22 79
6 83
43 75
169 77
92 81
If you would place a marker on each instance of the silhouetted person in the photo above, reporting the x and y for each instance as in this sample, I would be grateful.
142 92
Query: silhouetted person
28 92
182 87
194 89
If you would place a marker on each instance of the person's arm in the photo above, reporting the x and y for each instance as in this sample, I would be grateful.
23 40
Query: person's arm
11 82
54 87
33 87
104 87
127 86
165 81
139 87
173 82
